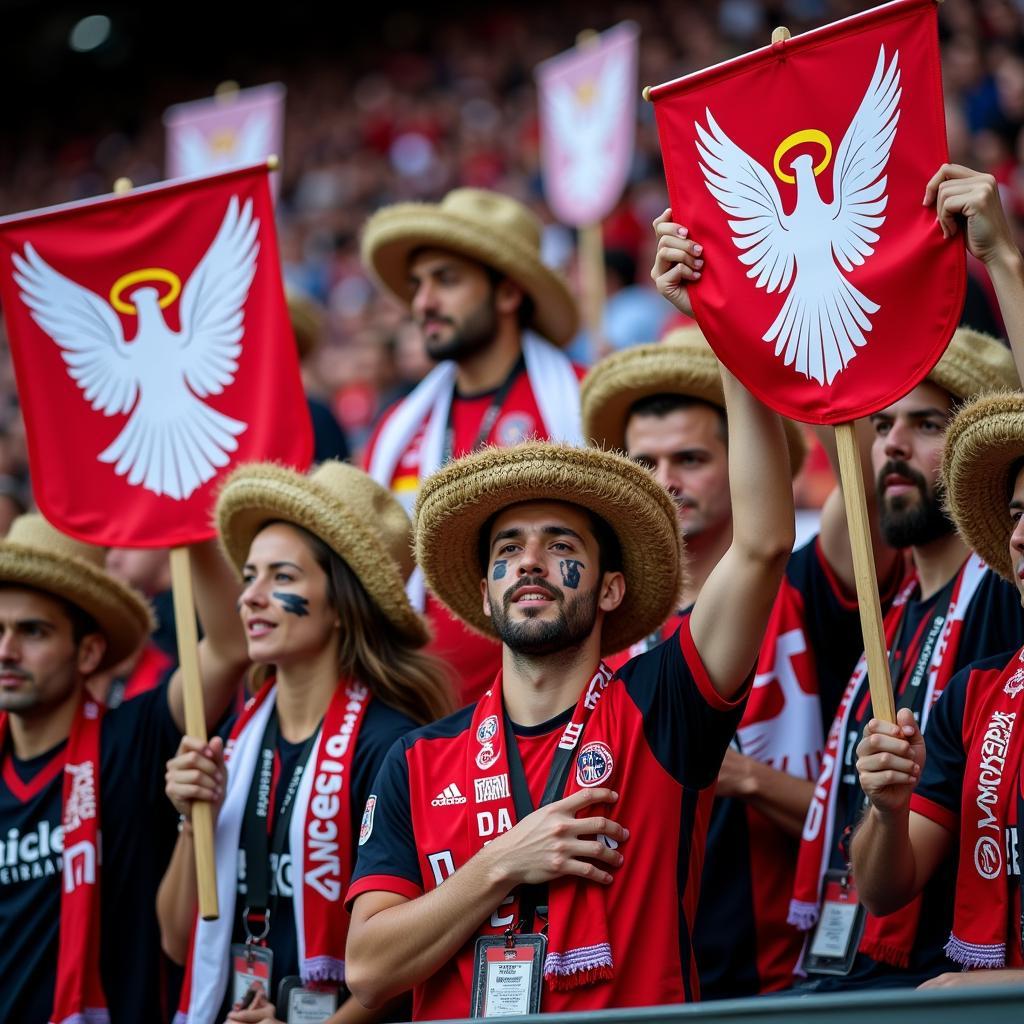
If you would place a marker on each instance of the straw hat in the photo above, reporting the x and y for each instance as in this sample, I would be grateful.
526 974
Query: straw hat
485 226
36 554
983 442
682 363
973 364
346 509
455 504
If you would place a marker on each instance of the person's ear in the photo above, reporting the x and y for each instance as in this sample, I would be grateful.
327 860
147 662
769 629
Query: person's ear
91 649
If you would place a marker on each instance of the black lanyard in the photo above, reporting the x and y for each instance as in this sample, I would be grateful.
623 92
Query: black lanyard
490 415
534 898
258 810
912 695
930 631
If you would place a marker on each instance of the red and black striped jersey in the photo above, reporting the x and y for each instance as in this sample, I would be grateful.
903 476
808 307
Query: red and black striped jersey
667 729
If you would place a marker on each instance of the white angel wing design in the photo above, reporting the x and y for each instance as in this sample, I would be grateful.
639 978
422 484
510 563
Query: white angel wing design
86 329
586 130
858 176
824 318
193 152
253 139
173 442
748 196
212 303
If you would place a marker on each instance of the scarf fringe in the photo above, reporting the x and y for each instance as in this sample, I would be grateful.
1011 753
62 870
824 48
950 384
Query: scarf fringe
887 953
802 915
323 968
582 966
574 968
87 1016
972 955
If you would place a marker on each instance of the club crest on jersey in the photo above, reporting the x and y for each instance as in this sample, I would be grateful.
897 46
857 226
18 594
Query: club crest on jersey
1015 683
366 825
487 729
486 756
514 428
594 764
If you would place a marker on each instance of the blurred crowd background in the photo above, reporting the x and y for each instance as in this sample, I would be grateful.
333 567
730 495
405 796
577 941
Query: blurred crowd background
402 104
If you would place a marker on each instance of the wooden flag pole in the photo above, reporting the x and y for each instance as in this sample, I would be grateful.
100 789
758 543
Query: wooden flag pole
870 607
195 714
195 725
591 261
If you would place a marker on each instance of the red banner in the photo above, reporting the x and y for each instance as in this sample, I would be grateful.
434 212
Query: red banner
827 288
153 351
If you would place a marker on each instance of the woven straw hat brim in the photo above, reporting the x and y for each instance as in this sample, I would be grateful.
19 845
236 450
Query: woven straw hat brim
455 503
392 234
260 492
123 615
616 382
984 440
974 364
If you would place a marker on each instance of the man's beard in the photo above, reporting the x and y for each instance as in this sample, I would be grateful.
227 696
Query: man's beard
574 623
476 333
906 524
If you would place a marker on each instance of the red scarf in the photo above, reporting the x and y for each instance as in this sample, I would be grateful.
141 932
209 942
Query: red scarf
579 949
984 903
888 939
78 995
320 841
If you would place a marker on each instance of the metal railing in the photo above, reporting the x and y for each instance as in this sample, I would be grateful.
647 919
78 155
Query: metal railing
976 1005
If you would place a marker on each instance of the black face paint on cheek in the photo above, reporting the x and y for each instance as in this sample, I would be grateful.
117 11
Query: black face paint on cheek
292 603
500 568
570 569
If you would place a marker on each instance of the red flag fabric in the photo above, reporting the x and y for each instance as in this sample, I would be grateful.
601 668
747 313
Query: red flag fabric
587 99
152 351
828 288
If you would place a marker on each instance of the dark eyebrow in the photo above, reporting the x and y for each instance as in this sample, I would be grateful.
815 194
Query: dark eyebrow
549 531
561 531
1017 503
920 414
509 534
276 565
432 271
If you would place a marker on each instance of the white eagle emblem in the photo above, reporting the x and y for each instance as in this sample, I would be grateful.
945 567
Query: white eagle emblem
824 318
172 442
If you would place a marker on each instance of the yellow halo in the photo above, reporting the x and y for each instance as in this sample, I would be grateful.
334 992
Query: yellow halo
123 283
807 135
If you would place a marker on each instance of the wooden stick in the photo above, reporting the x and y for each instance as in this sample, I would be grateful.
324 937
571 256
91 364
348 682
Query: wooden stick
591 259
195 724
850 474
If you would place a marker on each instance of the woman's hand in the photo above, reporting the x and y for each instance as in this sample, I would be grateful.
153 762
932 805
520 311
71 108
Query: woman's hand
196 772
677 262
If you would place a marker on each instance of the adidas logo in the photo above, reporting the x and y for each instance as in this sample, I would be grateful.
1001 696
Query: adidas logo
448 796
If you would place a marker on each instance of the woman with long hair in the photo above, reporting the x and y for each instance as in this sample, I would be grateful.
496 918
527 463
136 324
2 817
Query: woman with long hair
337 649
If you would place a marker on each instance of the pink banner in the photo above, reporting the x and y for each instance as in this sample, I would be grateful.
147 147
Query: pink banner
588 98
238 129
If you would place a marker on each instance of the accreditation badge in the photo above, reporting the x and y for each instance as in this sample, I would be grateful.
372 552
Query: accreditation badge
250 962
836 937
508 974
302 1005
